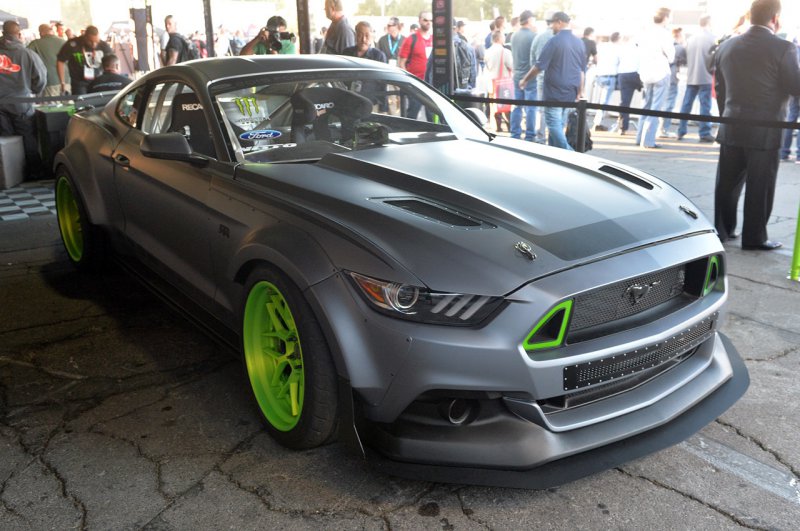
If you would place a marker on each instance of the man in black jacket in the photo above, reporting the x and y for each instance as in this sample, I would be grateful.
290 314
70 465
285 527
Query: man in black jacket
22 75
755 75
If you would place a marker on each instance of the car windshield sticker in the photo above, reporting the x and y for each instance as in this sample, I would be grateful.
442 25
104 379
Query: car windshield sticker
260 134
246 112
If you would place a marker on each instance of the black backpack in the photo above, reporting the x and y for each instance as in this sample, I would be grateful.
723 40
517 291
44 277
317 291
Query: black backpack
190 50
572 133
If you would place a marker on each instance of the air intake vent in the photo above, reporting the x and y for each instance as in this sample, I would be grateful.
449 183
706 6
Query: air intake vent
616 172
435 212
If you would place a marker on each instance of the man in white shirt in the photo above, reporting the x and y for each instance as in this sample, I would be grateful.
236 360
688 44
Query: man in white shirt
608 56
656 52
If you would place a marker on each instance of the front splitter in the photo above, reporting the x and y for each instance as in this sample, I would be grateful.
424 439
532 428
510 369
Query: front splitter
580 465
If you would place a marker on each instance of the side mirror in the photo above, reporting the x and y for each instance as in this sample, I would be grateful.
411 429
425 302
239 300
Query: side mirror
169 146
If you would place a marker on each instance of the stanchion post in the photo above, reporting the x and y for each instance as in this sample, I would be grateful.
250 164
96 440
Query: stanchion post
794 274
581 141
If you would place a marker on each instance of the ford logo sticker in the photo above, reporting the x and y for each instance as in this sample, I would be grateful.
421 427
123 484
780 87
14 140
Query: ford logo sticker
260 135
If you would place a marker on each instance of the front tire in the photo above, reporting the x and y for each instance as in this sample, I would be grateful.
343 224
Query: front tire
82 240
288 362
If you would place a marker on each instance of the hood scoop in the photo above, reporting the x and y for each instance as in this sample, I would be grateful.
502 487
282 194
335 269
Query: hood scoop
624 175
436 212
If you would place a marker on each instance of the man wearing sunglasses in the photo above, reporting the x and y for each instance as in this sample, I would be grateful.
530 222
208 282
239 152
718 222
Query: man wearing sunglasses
416 49
391 43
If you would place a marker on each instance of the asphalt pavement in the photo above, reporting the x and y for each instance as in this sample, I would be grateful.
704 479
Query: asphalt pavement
116 413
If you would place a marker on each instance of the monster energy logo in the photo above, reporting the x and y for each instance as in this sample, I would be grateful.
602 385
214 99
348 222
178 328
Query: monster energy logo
248 106
78 56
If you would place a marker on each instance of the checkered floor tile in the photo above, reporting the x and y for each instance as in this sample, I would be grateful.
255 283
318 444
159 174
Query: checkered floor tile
27 200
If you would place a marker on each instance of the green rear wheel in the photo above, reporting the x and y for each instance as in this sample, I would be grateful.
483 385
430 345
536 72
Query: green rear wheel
69 219
82 240
288 362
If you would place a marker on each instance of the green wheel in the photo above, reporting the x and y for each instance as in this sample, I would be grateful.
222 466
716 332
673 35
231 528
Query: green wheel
288 362
81 239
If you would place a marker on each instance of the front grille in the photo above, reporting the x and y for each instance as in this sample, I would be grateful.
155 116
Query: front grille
630 363
629 297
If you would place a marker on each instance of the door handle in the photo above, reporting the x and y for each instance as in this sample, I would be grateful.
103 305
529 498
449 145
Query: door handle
122 160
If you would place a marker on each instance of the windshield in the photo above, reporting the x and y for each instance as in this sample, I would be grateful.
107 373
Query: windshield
275 119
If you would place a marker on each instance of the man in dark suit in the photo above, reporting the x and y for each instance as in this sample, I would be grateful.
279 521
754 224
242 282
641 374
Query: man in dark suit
755 75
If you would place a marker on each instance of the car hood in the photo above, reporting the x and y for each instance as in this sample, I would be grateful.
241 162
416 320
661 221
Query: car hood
454 211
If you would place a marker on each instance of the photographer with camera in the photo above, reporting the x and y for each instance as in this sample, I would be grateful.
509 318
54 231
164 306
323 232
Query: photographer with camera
272 39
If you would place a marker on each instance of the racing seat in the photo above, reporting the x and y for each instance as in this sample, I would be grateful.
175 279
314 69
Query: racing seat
188 118
316 105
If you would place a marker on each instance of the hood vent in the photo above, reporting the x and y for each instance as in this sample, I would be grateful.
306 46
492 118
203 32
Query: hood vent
616 172
436 212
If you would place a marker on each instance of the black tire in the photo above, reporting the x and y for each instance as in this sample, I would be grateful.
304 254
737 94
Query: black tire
83 241
273 307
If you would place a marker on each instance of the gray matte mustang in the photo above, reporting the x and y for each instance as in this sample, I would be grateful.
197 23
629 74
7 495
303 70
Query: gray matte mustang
461 307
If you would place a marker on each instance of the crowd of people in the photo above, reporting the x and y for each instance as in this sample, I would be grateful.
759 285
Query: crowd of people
533 60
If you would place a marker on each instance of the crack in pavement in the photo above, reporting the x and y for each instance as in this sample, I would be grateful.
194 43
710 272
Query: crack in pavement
732 517
187 373
763 446
198 484
50 372
762 323
763 283
784 354
467 512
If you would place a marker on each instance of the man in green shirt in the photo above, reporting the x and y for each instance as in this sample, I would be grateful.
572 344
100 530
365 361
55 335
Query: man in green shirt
264 42
47 47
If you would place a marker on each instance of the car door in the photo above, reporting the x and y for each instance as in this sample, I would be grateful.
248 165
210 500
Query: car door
164 201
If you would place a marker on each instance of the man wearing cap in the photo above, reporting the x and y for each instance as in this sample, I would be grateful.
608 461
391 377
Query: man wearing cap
563 61
390 43
521 46
538 45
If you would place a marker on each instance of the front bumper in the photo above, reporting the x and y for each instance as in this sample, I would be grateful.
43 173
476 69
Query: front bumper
513 452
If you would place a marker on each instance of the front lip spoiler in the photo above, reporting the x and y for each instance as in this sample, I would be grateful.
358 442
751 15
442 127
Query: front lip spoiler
576 466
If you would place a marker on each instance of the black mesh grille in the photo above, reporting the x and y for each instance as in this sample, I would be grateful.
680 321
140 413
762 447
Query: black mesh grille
626 298
630 363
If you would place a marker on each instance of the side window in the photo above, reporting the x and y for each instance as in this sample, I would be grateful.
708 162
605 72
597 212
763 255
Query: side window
175 108
128 107
158 111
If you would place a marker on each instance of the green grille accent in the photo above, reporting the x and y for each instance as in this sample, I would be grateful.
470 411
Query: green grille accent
549 332
712 275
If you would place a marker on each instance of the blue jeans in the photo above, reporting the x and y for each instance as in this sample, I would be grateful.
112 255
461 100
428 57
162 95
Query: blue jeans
672 95
655 94
530 112
607 85
791 116
541 131
554 118
704 93
628 84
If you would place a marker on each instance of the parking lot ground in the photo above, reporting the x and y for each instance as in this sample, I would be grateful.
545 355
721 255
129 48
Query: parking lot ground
116 413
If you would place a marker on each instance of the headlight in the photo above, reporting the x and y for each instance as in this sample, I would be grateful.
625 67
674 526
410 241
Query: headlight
415 303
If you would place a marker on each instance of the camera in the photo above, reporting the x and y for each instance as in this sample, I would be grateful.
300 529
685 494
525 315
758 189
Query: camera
275 37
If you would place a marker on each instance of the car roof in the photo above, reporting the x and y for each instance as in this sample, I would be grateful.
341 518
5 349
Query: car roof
226 67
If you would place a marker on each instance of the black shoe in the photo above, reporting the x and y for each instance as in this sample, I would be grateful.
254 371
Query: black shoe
767 245
707 139
600 128
679 137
